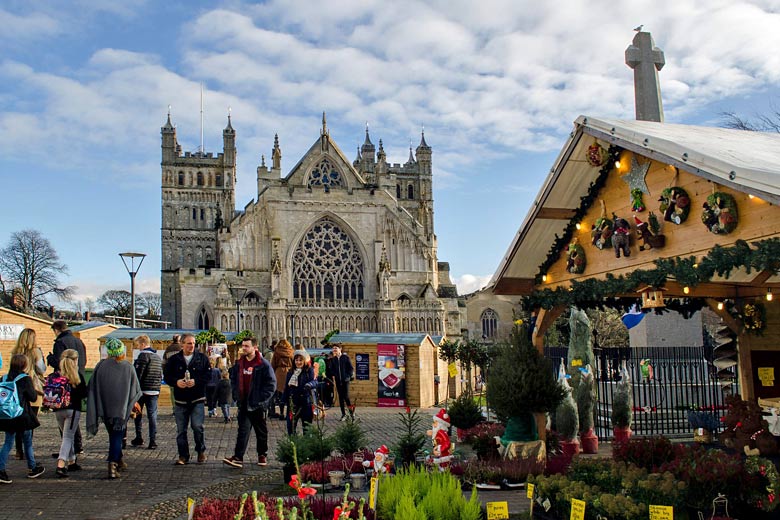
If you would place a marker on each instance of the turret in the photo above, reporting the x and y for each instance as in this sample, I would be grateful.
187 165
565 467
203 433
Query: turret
424 155
169 144
276 157
229 143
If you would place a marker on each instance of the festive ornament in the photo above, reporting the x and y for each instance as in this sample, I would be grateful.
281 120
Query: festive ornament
596 155
636 201
754 317
649 233
763 496
601 231
442 445
675 205
635 178
575 259
719 213
621 237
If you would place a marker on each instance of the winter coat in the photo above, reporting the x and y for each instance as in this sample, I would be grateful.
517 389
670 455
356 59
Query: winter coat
261 389
282 362
113 390
224 392
302 391
148 368
340 369
64 341
200 372
77 394
27 393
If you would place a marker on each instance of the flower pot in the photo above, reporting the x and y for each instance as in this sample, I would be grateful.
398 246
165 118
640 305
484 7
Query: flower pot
557 464
336 477
570 448
358 480
701 435
590 442
621 434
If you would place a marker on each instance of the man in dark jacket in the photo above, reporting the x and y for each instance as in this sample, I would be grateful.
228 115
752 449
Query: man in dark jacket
253 383
187 373
65 340
340 371
148 368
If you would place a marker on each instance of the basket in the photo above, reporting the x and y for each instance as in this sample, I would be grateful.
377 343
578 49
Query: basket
702 435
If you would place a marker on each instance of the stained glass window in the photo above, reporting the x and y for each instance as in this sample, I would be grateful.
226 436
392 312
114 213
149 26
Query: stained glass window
325 174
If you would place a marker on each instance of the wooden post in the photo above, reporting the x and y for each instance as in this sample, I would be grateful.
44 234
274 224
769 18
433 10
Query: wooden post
544 320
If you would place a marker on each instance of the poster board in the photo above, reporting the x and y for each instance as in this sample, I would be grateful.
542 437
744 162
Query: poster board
391 382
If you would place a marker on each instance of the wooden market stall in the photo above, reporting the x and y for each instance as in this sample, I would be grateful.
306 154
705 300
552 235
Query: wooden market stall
691 210
12 323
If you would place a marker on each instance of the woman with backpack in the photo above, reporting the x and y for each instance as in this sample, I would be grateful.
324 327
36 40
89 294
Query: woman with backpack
68 414
16 417
27 345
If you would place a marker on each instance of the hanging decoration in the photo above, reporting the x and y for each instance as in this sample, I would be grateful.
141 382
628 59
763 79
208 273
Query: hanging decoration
596 155
754 318
637 205
719 213
675 205
575 260
765 495
650 232
652 297
601 231
621 236
635 178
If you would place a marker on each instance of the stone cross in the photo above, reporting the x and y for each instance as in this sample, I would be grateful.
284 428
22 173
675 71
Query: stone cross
646 59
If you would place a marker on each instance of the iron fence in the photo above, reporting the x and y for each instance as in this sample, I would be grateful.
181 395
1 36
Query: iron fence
666 383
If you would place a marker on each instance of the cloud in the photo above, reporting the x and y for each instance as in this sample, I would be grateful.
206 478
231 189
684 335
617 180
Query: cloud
28 26
468 283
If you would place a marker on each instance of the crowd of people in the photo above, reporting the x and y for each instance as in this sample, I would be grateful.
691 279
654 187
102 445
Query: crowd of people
119 391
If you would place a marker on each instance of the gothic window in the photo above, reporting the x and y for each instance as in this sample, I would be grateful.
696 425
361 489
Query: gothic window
200 178
181 178
194 213
202 213
219 179
325 174
410 192
327 265
489 321
397 191
204 323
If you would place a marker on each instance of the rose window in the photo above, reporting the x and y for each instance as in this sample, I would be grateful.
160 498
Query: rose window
325 174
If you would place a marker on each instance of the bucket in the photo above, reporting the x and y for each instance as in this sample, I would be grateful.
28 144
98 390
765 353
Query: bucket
336 477
358 480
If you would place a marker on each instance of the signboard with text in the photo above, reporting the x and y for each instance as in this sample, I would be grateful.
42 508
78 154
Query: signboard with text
362 372
392 375
10 331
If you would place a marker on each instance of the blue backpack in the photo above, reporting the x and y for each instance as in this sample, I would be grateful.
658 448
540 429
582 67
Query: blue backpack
10 405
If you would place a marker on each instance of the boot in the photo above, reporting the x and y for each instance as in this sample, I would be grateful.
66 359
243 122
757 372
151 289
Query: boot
112 472
121 465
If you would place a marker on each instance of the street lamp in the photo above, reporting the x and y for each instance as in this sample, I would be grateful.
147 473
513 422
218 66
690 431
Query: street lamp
132 270
238 295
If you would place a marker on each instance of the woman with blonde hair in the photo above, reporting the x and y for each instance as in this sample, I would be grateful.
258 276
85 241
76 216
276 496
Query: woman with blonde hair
68 416
27 345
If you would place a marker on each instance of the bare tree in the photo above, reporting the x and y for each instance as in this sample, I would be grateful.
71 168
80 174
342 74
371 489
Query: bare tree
89 304
153 303
116 302
761 123
30 265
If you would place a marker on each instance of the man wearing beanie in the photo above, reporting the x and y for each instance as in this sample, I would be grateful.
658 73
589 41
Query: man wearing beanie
113 390
187 373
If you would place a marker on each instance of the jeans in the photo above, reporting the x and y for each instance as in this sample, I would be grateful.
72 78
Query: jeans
68 421
194 414
343 390
225 411
9 443
18 441
114 442
150 401
256 421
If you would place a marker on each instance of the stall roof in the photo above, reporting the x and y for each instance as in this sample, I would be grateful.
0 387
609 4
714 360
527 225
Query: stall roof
745 161
158 334
370 337
92 325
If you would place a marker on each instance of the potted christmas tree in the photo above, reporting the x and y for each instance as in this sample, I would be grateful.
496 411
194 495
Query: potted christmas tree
622 407
580 360
567 420
521 384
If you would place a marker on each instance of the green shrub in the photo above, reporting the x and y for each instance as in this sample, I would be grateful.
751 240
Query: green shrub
349 436
622 405
412 439
313 445
464 412
566 418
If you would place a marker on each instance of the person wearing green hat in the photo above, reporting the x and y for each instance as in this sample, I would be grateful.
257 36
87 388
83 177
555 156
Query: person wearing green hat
113 392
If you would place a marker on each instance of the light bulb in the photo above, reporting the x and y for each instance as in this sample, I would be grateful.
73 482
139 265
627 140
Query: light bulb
686 289
578 226
544 277
769 295
720 306
617 164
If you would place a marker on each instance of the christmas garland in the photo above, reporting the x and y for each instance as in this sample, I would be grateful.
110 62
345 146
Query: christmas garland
763 497
764 255
754 317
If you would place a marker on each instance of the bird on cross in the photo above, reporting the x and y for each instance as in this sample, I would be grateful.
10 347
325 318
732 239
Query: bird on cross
638 28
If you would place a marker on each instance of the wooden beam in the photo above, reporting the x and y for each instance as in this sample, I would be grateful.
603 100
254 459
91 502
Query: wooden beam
544 320
762 277
555 213
514 286
732 323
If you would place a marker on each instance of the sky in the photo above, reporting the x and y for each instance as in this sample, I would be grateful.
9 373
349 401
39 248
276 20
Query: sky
496 84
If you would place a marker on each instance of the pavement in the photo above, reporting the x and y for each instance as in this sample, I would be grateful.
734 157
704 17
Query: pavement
154 488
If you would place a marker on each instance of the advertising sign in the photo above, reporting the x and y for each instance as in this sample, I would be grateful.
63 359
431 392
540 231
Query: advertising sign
10 331
392 375
361 367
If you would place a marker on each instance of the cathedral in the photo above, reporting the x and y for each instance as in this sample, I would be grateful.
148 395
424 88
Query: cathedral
331 244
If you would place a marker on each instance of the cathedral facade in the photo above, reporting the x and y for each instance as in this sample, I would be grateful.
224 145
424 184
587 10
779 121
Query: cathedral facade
333 244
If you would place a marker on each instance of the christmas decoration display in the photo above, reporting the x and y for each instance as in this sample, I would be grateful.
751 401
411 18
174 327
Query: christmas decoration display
650 232
442 446
601 231
724 356
636 201
675 205
635 178
596 155
380 463
764 495
719 213
575 259
621 236
745 429
754 317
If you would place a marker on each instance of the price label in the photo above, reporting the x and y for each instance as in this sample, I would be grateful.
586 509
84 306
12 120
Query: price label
372 492
661 512
497 510
577 509
529 490
577 362
452 368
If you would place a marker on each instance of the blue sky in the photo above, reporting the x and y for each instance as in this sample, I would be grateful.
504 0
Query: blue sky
497 84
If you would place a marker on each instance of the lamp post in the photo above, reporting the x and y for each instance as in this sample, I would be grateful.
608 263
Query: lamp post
132 270
238 295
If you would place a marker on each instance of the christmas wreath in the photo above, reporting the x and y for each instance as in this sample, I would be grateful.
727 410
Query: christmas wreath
675 205
754 317
597 155
763 496
720 213
575 261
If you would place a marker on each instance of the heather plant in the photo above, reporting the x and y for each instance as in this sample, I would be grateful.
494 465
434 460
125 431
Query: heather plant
649 453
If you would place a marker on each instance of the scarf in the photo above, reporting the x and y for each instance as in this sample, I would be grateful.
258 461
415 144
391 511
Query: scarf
294 378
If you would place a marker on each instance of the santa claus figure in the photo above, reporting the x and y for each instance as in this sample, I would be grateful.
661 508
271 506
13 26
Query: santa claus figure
442 446
380 463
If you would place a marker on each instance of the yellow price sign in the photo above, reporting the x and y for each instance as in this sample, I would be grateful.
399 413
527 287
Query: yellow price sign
577 362
452 368
190 508
661 512
766 373
577 509
372 492
529 491
497 510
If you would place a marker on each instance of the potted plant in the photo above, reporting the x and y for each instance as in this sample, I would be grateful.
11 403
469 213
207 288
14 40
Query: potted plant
464 412
412 439
522 384
622 408
704 424
580 359
567 424
349 436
